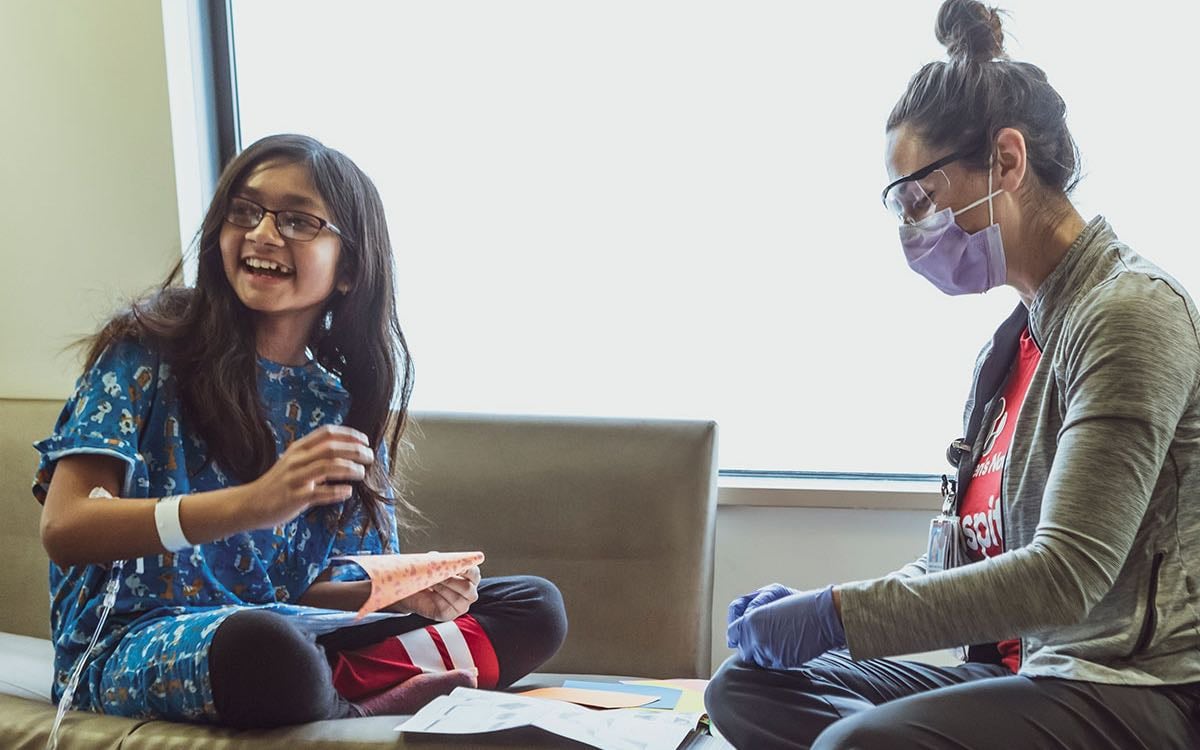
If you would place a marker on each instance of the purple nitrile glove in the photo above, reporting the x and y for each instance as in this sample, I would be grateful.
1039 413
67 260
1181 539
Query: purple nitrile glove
755 599
789 631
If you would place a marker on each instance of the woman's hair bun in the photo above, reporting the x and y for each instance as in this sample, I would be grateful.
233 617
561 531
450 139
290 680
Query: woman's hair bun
970 31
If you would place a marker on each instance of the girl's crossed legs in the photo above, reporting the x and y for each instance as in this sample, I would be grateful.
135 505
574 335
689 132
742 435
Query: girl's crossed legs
263 671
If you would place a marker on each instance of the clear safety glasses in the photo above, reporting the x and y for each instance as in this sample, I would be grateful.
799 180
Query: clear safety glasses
914 197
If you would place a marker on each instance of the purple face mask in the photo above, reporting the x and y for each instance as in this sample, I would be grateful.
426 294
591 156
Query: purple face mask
956 262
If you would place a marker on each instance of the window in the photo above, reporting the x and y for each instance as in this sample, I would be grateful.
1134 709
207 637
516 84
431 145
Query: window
670 209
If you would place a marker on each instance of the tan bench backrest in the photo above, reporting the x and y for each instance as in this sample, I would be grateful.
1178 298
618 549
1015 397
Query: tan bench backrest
619 514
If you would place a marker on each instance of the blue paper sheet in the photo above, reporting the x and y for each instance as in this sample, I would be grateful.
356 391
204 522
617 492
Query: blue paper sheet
667 697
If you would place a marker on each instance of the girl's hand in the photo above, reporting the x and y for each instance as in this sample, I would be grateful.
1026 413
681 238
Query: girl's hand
443 601
315 470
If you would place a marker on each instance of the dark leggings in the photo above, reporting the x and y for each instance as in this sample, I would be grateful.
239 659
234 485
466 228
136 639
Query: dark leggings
834 703
256 653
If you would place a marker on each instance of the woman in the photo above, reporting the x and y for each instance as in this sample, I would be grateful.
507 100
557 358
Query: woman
1075 517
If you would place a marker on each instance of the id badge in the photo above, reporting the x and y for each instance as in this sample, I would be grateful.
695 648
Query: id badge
942 551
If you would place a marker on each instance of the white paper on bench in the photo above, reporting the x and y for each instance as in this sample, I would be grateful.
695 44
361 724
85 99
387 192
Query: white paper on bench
468 711
26 666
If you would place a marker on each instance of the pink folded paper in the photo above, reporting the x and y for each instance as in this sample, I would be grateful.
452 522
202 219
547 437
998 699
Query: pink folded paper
394 577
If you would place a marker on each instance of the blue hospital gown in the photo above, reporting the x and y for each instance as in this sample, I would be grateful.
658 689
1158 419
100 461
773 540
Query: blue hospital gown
152 658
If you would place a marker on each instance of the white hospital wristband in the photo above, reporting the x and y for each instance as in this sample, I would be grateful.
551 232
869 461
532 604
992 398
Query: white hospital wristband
166 518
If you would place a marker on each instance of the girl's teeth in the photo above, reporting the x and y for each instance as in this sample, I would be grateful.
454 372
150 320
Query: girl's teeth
267 265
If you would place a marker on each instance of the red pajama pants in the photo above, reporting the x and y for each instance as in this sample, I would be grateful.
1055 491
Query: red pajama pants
457 644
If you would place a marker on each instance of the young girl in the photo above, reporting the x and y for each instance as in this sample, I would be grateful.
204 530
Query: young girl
226 441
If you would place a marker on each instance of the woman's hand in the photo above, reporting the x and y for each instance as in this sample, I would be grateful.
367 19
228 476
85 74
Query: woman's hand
788 631
315 470
443 601
744 605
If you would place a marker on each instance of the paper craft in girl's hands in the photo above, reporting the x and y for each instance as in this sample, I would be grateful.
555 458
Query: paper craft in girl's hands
394 577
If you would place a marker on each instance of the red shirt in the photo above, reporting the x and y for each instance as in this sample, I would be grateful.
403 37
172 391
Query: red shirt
980 511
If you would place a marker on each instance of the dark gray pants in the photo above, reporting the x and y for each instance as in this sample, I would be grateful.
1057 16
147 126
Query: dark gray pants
836 703
265 672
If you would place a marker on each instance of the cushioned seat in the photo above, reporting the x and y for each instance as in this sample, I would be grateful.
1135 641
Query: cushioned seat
618 513
26 724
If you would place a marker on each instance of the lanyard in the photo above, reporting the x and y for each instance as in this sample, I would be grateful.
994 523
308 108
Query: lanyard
949 495
945 532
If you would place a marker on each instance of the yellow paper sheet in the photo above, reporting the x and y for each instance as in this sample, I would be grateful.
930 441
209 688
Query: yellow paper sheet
593 698
393 577
690 701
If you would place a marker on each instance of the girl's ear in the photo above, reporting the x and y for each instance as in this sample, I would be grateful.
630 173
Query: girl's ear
343 286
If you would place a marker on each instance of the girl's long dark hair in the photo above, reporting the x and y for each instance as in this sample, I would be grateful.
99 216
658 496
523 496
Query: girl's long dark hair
207 335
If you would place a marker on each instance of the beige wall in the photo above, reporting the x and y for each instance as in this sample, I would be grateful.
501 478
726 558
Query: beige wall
87 183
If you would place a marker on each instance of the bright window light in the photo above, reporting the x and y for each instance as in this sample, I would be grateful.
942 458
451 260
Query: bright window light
671 209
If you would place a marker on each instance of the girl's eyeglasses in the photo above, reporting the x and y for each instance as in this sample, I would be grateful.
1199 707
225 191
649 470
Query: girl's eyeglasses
294 225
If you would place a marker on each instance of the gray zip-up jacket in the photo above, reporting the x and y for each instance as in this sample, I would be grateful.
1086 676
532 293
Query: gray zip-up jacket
1100 492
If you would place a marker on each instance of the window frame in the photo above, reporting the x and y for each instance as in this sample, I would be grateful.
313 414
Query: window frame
748 487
